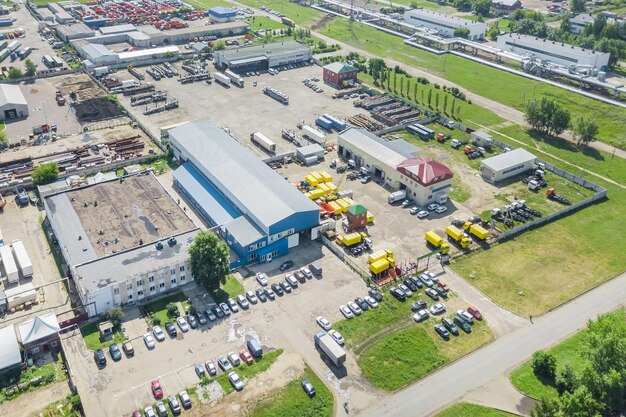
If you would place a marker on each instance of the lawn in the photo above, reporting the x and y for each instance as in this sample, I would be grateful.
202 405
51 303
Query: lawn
471 410
292 401
263 22
231 289
205 4
47 374
67 407
508 89
424 4
91 336
246 372
158 309
303 16
407 355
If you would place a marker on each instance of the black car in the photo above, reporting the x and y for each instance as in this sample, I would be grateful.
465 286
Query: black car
460 321
449 324
277 289
409 283
362 303
441 291
399 294
419 305
261 295
442 331
114 351
286 265
171 329
375 295
100 359
416 281
308 388
432 294
286 287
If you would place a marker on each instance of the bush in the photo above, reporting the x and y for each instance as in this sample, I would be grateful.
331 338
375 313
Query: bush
155 321
172 310
566 380
114 315
45 173
544 364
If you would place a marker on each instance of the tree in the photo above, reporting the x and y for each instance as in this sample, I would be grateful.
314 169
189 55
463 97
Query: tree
463 5
430 96
566 25
45 173
577 6
437 100
31 67
209 259
15 72
458 111
544 364
548 407
422 96
219 45
547 116
493 33
565 380
453 104
415 90
445 103
580 403
482 7
114 315
461 32
584 129
172 310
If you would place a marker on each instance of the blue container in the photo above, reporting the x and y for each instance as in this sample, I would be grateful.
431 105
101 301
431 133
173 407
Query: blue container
324 122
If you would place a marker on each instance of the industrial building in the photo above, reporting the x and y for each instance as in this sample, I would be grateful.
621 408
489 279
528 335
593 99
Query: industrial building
507 164
310 154
13 104
123 240
554 52
10 355
577 23
96 55
221 14
39 335
396 166
444 24
340 74
508 5
256 211
74 31
263 57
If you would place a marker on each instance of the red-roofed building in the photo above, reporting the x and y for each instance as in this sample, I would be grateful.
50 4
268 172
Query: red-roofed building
426 180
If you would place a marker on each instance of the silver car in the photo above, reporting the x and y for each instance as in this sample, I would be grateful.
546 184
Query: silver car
233 305
235 381
243 302
158 333
251 297
355 308
149 341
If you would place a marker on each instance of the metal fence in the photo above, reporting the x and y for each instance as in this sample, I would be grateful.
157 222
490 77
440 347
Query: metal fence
341 255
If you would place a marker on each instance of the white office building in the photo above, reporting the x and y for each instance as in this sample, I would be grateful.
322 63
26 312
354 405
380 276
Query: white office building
444 24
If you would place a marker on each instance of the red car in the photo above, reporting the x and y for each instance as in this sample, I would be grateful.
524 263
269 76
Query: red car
245 356
443 285
475 312
157 391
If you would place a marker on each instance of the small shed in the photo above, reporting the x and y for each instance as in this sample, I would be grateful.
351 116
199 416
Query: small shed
40 334
306 154
356 215
506 165
106 330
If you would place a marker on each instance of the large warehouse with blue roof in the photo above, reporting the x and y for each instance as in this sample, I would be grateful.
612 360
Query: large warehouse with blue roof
257 212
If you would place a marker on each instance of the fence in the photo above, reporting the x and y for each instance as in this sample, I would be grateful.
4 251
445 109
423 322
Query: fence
42 74
341 255
101 125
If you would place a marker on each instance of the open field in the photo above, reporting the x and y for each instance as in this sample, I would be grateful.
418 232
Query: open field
263 22
471 410
292 401
231 289
205 4
304 16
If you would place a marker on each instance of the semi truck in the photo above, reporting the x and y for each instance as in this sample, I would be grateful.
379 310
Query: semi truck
328 345
396 196
438 242
476 230
458 236
234 78
276 95
221 78
21 256
263 141
354 238
313 134
8 263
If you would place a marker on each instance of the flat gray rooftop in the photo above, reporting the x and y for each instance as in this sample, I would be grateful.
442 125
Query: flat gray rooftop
508 159
264 49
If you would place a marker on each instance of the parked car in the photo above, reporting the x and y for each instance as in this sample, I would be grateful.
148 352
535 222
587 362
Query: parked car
443 285
199 370
285 286
438 308
299 276
442 209
243 303
218 311
224 307
236 382
184 399
337 337
174 404
149 412
128 349
475 312
210 368
323 322
210 315
252 298
360 301
182 324
245 356
442 331
410 284
418 305
399 294
371 302
443 293
193 322
432 206
432 276
354 307
261 278
160 408
234 359
307 272
426 280
233 305
467 316
308 388
286 265
432 294
460 321
278 289
366 179
414 211
171 329
157 391
419 284
224 364
100 359
271 295
347 313
405 290
260 293
375 295
291 280
421 315
449 324
158 333
149 341
407 203
115 352
422 214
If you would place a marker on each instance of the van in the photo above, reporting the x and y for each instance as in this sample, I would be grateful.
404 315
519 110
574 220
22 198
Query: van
255 348
316 269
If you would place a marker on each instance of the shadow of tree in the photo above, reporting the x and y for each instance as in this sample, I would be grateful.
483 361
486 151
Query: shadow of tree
561 143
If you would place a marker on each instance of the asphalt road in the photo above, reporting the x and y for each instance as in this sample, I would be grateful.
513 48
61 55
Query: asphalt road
450 383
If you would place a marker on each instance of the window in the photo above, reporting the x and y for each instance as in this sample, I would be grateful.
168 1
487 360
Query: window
275 253
152 288
173 280
252 256
139 293
182 268
173 271
182 278
430 197
140 283
151 278
35 349
129 286
162 285
130 297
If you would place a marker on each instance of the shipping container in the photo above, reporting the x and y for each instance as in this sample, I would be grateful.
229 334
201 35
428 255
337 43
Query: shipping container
326 176
379 266
338 123
311 180
25 52
3 45
276 95
21 256
336 207
8 264
20 295
328 345
324 188
221 78
381 254
332 187
324 123
4 54
420 130
313 134
234 78
14 45
263 141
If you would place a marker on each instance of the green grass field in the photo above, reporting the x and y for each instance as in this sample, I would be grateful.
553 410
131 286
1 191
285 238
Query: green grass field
423 4
247 372
263 22
158 309
303 16
206 4
231 289
292 401
91 336
471 410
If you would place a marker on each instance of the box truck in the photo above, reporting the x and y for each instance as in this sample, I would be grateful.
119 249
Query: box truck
21 256
476 230
313 134
234 78
263 141
8 263
221 78
328 345
437 241
396 196
458 236
354 238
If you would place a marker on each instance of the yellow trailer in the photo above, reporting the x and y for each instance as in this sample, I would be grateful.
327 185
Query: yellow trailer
326 176
335 207
315 194
477 230
344 204
351 239
311 180
379 266
437 241
333 188
458 236
350 201
317 176
381 254
324 188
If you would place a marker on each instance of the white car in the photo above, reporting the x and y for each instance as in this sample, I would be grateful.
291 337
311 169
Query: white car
149 340
337 336
261 278
432 206
158 333
270 294
149 411
421 315
414 211
251 297
355 308
233 305
372 303
467 316
234 359
422 214
291 280
243 302
441 209
324 324
347 313
235 381
182 324
307 273
438 308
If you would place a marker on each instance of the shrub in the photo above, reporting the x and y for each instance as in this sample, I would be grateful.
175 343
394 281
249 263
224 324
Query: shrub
544 364
172 310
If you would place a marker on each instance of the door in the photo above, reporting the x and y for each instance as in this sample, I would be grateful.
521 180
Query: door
10 114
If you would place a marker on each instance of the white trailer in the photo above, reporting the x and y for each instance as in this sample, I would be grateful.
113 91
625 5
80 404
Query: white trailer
263 141
236 79
21 256
328 345
313 134
20 295
221 78
8 263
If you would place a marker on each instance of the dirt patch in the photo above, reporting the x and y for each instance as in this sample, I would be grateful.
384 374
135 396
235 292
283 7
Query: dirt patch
322 22
98 108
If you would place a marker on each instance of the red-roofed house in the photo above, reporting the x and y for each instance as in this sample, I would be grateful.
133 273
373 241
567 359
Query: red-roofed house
426 180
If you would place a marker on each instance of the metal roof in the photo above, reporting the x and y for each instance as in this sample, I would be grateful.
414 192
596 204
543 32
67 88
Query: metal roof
546 46
309 150
96 50
264 49
441 18
508 159
107 30
9 348
39 328
221 10
370 144
11 94
149 52
340 67
244 231
254 188
248 60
